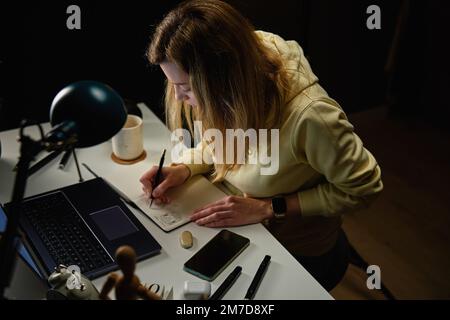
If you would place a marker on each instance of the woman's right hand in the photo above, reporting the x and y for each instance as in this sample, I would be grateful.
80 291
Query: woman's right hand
172 176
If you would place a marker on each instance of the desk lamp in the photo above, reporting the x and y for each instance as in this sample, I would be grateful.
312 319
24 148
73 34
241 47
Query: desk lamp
83 114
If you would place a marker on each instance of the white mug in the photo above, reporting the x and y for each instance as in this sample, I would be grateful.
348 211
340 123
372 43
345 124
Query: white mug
128 144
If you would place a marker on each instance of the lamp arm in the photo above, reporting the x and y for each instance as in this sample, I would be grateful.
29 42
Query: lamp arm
29 149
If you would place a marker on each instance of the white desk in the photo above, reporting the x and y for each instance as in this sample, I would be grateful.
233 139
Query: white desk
285 277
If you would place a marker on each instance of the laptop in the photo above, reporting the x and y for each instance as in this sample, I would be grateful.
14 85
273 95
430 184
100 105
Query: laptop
83 225
23 252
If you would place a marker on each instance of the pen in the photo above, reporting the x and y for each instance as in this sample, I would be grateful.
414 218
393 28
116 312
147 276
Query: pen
257 279
226 284
158 175
43 162
64 159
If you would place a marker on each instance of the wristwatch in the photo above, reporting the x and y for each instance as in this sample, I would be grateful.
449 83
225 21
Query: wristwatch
279 207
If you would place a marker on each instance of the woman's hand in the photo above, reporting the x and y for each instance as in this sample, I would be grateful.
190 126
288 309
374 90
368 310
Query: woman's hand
171 177
233 211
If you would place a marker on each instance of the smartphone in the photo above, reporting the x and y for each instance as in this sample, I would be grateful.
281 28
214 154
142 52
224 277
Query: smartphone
216 255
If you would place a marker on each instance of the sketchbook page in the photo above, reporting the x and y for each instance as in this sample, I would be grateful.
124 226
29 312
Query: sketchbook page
167 216
193 194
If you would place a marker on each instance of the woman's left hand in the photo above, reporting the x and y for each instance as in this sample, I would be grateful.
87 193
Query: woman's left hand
233 211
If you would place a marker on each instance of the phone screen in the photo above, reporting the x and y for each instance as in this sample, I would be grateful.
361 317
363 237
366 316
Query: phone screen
216 255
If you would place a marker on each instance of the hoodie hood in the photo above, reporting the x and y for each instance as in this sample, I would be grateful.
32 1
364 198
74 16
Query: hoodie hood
295 62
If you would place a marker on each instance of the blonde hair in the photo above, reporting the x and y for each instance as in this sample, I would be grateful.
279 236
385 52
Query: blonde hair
239 83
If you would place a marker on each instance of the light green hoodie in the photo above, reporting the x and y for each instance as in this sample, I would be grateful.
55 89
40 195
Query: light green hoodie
320 158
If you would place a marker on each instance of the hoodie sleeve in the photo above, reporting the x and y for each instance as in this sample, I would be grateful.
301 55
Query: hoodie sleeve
324 138
198 159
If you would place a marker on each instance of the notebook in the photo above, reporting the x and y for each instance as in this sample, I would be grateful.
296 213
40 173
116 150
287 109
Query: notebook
195 193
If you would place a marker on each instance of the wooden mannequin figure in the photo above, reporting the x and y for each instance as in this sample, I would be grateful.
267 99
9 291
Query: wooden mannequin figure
128 286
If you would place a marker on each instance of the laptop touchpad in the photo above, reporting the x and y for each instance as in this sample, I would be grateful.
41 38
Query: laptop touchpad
113 222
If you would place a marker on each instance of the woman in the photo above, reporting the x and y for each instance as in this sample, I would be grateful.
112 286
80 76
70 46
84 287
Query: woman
228 76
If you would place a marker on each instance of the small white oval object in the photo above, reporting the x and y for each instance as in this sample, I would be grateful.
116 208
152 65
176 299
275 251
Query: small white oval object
186 239
196 290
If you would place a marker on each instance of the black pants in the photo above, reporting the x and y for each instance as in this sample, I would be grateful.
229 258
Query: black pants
329 268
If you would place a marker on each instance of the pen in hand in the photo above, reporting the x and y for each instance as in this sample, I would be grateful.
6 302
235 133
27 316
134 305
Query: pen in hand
158 176
257 279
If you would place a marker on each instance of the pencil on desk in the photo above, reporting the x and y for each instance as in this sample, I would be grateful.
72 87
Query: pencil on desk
226 285
65 159
257 278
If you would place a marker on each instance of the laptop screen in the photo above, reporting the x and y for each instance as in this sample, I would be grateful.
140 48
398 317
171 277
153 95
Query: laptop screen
23 252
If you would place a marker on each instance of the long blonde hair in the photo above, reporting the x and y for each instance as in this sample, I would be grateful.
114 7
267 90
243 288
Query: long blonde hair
239 83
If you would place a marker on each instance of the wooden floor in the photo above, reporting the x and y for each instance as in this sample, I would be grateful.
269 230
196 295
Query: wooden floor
407 230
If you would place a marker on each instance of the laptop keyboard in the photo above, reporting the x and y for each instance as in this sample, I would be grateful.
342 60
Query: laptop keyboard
64 233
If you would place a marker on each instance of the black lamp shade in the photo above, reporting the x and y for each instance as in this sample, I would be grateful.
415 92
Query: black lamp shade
95 108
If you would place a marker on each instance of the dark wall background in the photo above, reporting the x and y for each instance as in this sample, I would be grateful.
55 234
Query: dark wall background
40 55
